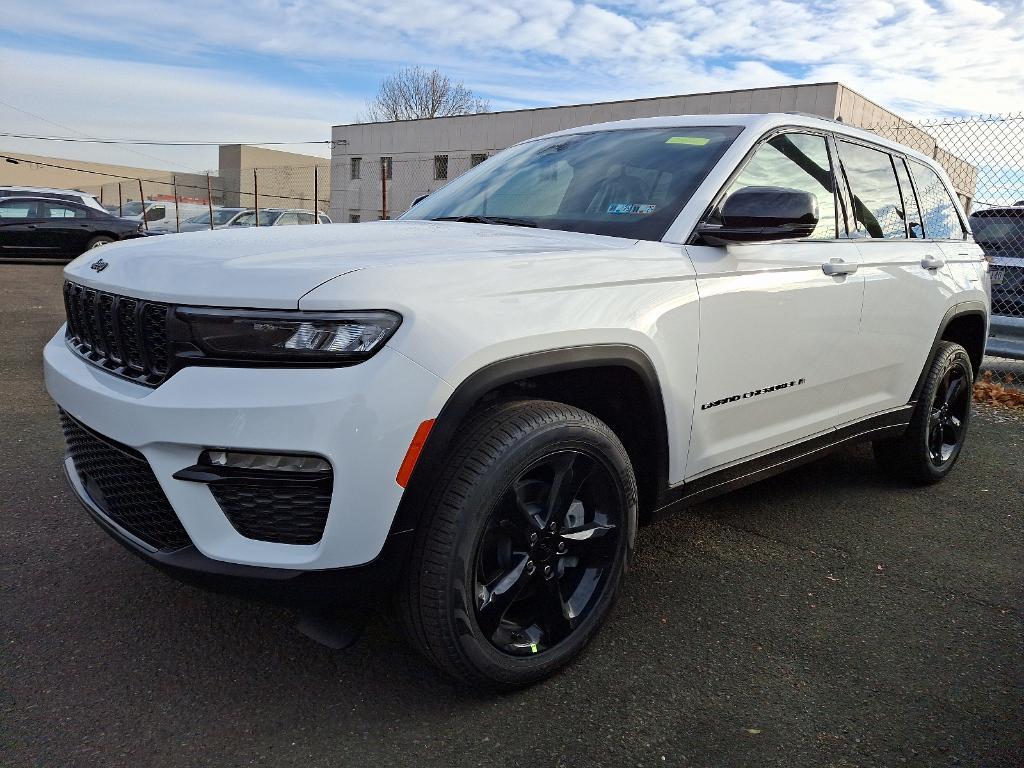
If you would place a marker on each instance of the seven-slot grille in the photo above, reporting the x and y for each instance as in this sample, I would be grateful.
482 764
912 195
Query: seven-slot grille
126 336
121 483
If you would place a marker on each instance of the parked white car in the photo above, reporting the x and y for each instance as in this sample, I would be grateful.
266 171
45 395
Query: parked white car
162 215
471 408
68 195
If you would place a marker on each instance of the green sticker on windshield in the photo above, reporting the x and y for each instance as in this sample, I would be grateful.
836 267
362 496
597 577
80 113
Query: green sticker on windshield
693 141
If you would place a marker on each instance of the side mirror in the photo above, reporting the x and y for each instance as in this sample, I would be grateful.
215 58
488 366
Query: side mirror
419 200
761 214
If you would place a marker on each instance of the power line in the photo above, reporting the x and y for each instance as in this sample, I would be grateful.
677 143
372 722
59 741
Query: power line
80 133
157 143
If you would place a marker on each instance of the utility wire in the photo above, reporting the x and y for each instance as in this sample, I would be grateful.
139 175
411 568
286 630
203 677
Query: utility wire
156 143
80 133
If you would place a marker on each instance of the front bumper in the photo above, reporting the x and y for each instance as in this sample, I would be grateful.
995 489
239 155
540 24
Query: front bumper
360 418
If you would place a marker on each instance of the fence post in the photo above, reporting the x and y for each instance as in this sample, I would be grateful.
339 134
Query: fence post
383 190
209 198
120 200
142 202
256 195
177 210
316 194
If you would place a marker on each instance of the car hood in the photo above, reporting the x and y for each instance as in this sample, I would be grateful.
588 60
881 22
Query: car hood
272 267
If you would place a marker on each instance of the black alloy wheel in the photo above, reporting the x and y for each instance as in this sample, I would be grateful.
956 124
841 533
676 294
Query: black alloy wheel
929 448
547 552
947 422
523 546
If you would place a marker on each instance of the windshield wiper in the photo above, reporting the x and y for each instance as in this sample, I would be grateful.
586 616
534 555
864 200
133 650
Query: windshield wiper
512 222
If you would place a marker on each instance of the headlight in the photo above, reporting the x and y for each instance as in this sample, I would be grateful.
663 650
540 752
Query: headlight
272 335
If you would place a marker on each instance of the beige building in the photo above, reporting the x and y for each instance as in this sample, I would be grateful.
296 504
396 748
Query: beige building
415 157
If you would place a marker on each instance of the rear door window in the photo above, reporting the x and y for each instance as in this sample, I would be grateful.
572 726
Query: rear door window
62 211
877 205
941 221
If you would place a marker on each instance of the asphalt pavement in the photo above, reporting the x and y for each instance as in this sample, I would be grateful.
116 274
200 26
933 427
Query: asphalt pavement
825 617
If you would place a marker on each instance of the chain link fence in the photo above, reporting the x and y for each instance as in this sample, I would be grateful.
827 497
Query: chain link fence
246 197
985 156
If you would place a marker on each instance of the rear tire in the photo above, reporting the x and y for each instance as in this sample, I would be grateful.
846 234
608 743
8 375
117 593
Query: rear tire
524 544
97 241
930 447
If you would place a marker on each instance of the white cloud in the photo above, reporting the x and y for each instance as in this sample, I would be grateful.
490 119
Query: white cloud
919 57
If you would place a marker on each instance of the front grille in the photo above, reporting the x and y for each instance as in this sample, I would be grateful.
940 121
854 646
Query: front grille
121 483
281 511
126 336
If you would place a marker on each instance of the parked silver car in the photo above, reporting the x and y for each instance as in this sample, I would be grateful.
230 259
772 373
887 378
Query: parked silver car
222 217
279 217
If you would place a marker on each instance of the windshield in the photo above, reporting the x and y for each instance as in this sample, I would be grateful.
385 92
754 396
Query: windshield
132 208
628 183
248 219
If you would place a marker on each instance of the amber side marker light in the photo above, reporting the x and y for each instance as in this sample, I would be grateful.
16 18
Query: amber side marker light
413 454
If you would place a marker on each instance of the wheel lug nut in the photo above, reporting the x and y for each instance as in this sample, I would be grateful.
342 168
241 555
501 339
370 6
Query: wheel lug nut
553 527
561 547
530 567
548 573
533 538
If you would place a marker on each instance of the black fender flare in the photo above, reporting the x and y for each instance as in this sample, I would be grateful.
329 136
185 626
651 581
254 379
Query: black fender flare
469 392
962 309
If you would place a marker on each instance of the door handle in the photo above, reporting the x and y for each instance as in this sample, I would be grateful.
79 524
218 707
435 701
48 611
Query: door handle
932 262
836 266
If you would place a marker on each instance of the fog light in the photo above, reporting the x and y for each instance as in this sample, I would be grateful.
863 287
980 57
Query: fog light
273 462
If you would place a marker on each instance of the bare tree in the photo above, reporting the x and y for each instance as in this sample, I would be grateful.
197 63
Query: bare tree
414 92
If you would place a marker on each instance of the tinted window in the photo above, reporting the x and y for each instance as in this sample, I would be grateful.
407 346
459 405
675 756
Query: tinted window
60 211
19 209
323 219
628 183
156 213
941 221
796 161
305 218
911 211
286 219
877 206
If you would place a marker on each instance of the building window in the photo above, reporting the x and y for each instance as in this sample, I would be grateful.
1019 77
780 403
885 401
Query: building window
440 166
386 166
475 160
353 218
356 167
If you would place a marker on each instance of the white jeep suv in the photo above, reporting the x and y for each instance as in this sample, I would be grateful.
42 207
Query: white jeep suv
470 409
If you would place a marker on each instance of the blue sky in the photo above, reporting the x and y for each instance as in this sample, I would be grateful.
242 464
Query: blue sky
286 70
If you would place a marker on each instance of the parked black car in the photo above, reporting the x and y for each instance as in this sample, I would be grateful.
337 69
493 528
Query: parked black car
1000 232
41 227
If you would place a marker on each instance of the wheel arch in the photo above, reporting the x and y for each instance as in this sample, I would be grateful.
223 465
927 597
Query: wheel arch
965 324
634 409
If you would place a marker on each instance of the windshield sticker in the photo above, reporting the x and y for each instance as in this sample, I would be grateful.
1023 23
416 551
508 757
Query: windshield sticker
631 208
693 141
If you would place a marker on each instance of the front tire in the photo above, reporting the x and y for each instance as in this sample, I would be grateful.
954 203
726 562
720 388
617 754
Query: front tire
524 544
930 447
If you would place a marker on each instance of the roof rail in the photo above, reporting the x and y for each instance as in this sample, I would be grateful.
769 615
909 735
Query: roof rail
817 117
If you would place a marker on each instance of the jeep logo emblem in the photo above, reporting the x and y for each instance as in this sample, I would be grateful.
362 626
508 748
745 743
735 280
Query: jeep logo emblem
99 266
